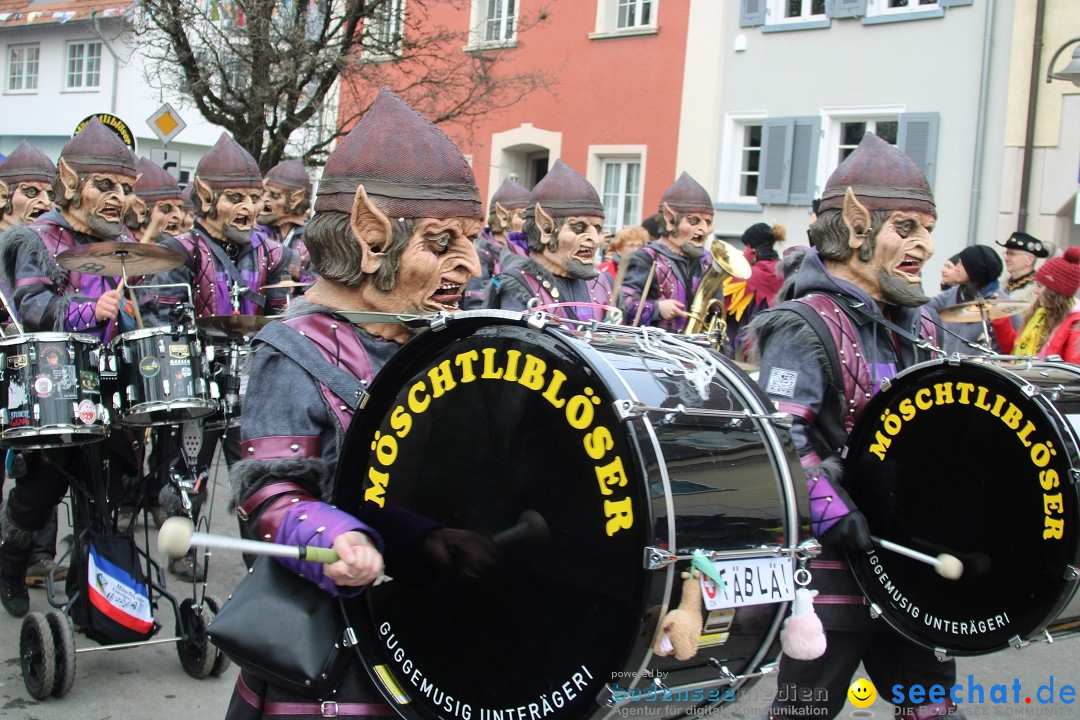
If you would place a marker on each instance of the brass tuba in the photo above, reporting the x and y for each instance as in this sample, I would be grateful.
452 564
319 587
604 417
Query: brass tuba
726 262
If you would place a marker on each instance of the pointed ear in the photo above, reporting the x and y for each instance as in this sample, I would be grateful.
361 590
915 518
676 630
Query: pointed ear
857 219
138 206
3 194
544 221
371 227
503 215
69 179
205 195
669 217
296 197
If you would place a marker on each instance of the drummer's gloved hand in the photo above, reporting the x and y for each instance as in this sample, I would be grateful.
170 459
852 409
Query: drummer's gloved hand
851 532
460 551
830 504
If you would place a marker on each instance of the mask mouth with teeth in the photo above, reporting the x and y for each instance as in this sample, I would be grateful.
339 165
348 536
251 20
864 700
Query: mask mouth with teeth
448 296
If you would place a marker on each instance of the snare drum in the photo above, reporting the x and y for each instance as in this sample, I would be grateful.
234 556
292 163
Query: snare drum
53 388
634 448
162 377
229 365
979 461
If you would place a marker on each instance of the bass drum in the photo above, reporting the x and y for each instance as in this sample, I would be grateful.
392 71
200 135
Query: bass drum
979 461
588 460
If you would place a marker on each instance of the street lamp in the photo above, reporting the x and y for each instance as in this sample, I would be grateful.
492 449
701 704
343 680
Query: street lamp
1070 72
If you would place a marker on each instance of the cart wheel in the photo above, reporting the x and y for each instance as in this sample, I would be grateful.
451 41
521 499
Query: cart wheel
221 660
195 651
64 648
37 656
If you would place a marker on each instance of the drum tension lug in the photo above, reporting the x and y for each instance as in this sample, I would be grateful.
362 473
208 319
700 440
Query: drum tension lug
1074 474
941 654
875 611
1072 573
1017 642
348 637
656 558
731 677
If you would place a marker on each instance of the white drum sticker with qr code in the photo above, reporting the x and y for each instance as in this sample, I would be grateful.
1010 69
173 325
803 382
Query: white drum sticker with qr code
782 382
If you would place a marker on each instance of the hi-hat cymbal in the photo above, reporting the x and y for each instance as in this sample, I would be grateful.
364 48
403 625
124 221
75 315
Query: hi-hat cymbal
116 258
232 324
973 311
285 284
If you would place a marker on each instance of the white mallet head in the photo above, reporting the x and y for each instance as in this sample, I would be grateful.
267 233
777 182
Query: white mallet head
174 537
949 566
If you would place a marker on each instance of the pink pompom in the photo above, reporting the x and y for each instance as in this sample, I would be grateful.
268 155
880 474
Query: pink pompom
803 637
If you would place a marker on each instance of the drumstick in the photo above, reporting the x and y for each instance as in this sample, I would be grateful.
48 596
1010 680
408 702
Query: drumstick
134 301
176 537
947 566
644 295
530 526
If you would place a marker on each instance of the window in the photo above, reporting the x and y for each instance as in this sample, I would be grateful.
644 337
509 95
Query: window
851 134
634 13
385 28
83 66
621 191
749 161
23 68
914 134
780 11
499 22
900 6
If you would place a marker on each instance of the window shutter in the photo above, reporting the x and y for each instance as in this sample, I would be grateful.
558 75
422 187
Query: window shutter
752 13
954 3
918 140
804 151
775 181
845 8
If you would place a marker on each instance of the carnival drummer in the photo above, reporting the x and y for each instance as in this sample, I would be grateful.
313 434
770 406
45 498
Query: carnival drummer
395 220
95 178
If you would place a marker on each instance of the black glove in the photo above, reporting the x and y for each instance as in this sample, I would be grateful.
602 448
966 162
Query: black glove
851 532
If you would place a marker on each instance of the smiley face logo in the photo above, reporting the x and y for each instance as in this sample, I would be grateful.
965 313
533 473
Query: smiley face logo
862 693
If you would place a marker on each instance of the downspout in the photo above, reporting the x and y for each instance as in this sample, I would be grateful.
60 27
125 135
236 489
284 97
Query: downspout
1029 137
115 63
980 125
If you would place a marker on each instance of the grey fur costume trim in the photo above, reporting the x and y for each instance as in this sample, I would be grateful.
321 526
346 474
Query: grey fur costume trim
13 534
520 292
10 243
248 476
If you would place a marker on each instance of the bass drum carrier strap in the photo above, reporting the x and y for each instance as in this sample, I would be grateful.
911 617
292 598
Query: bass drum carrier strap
293 345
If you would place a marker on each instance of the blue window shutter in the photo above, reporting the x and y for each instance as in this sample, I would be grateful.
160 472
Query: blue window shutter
804 156
775 181
918 140
752 13
845 8
954 3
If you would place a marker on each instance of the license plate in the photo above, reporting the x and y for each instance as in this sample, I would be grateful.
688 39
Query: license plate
749 581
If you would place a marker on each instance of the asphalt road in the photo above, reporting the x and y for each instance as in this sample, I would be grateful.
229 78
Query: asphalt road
148 681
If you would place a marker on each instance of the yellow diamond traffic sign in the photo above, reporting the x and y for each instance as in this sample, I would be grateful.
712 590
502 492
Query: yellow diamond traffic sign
166 123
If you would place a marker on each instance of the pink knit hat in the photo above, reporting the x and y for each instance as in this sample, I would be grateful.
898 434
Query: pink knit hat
1061 274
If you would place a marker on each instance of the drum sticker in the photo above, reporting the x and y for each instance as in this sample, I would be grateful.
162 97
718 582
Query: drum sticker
65 382
19 418
87 412
149 366
17 362
16 394
89 381
179 352
782 382
51 355
43 386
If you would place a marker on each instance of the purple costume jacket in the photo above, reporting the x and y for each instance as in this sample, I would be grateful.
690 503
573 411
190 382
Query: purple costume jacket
524 280
676 278
47 297
490 253
294 241
263 262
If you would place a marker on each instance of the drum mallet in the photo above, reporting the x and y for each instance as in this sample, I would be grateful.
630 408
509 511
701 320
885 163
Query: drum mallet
530 526
176 537
947 566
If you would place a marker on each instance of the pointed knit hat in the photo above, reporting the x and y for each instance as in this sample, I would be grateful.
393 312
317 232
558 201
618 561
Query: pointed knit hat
882 178
26 164
227 165
686 195
289 175
154 183
511 195
408 167
98 150
564 192
185 197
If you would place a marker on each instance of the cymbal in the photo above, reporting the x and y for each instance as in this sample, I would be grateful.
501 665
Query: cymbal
232 324
972 311
286 284
116 258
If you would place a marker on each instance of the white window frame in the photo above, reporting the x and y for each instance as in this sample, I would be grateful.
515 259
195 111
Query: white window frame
603 155
735 124
396 10
881 7
24 76
774 13
638 7
833 117
607 20
83 73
